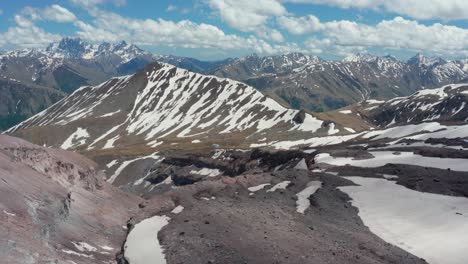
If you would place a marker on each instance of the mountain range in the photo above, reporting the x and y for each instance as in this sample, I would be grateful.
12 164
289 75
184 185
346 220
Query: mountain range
296 80
308 82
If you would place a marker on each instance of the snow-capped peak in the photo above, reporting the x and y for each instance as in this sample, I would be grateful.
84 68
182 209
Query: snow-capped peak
69 48
362 56
421 60
77 48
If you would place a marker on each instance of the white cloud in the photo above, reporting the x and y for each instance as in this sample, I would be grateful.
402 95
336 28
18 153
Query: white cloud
246 15
94 3
26 35
1 12
58 14
397 34
120 2
299 25
418 9
52 13
108 26
250 16
270 34
171 8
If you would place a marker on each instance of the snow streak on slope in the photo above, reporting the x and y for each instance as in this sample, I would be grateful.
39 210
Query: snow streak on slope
76 139
178 100
303 201
163 100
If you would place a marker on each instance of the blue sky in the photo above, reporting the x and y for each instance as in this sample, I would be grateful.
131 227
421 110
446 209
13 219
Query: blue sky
215 29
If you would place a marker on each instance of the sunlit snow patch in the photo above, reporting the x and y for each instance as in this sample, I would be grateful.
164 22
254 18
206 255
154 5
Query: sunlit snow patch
280 186
8 213
430 226
258 187
381 158
142 245
207 172
178 209
76 139
303 202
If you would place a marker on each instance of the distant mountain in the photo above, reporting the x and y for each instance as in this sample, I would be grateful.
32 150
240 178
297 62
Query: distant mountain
254 65
18 101
70 64
308 82
447 104
192 64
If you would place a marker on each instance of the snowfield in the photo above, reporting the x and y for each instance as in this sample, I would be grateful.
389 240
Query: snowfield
142 245
381 158
430 226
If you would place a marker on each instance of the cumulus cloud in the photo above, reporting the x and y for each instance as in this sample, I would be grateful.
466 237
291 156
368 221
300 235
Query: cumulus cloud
300 25
250 16
397 34
171 8
26 35
58 14
109 26
94 3
418 9
54 13
270 34
257 19
246 15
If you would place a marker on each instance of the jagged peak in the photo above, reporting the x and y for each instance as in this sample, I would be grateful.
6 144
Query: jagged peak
361 56
421 60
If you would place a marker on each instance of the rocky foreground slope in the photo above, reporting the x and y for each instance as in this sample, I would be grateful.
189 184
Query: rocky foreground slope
58 198
56 208
232 206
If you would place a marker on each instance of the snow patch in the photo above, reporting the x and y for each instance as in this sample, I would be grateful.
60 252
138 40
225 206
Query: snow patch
142 245
76 139
207 172
381 158
8 213
430 226
279 186
258 187
178 209
303 201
